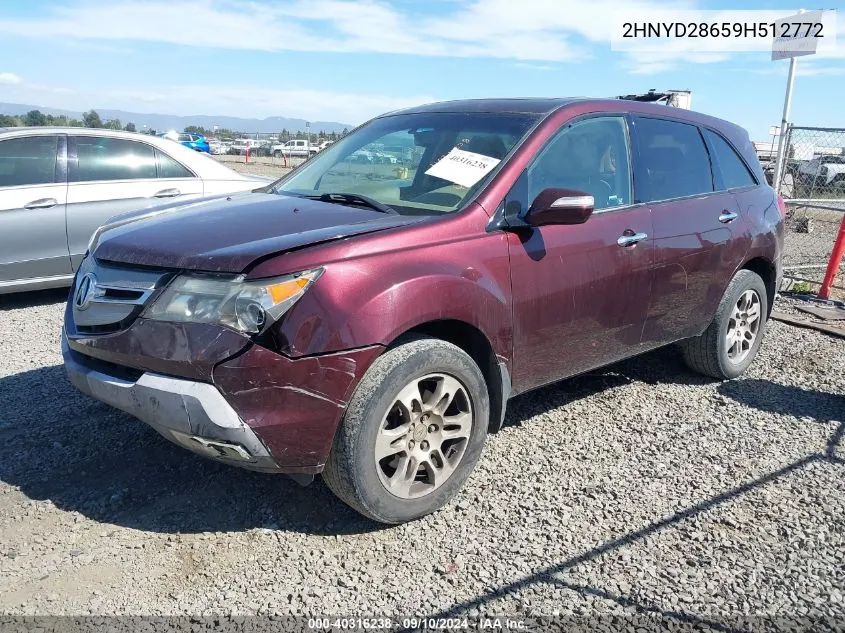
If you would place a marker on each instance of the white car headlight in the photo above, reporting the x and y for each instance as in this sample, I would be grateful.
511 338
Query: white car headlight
246 306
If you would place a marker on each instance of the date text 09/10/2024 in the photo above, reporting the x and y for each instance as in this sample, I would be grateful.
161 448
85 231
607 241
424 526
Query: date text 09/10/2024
491 623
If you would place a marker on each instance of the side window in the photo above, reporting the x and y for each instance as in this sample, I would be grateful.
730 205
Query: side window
589 156
674 159
28 161
733 169
103 158
169 168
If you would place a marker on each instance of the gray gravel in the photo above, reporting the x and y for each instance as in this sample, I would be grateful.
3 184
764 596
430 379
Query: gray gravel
638 488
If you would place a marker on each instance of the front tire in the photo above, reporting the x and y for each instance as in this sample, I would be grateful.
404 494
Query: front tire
731 341
412 433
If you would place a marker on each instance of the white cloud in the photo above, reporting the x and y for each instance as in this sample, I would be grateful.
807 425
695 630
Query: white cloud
533 66
10 78
538 31
528 30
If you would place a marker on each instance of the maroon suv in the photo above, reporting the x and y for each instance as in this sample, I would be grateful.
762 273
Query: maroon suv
368 316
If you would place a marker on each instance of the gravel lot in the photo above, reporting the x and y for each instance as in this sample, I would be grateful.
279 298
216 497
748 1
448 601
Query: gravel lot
638 488
258 166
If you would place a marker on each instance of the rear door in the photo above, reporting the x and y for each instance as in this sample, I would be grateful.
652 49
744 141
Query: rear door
699 233
33 193
109 175
580 293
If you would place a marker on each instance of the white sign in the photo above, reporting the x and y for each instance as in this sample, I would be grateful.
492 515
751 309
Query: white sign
774 130
463 168
800 34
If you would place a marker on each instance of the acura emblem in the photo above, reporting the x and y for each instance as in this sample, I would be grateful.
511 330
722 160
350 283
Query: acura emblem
87 292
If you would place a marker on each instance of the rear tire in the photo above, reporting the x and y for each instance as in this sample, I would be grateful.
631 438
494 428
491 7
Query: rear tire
731 341
395 462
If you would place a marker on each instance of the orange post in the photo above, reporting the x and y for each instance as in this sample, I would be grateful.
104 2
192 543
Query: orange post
246 154
834 262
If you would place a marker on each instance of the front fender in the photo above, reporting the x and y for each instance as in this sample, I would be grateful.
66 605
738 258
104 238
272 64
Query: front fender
367 302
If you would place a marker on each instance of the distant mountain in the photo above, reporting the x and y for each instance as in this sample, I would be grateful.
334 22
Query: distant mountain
164 122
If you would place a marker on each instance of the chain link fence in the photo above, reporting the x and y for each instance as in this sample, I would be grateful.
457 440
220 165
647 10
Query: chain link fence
812 184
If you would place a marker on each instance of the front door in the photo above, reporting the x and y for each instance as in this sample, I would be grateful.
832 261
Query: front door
580 292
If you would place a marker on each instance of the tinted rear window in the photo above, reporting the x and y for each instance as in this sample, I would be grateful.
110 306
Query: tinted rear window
731 166
673 159
28 161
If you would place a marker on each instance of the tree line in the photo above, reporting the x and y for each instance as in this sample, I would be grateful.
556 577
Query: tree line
36 118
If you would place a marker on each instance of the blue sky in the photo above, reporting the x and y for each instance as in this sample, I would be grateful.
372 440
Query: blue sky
346 60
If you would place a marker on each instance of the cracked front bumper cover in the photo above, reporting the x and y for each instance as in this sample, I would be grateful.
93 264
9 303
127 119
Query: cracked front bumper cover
192 414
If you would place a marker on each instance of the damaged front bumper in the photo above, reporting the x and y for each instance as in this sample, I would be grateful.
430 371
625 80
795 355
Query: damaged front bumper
191 414
253 408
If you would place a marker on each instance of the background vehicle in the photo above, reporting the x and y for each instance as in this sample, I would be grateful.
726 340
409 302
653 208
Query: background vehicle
823 171
324 145
370 322
256 147
196 142
218 147
297 148
57 185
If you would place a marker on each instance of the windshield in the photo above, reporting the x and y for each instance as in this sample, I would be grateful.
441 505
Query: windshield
427 163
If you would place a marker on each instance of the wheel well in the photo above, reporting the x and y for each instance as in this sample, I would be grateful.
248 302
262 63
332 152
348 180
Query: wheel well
472 340
768 274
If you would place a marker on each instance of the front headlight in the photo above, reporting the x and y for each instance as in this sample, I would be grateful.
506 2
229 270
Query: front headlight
246 306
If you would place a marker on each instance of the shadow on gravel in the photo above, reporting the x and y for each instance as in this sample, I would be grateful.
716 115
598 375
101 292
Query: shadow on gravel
89 458
765 395
32 299
660 366
784 399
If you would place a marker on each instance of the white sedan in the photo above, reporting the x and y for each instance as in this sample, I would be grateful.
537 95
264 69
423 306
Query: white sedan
58 185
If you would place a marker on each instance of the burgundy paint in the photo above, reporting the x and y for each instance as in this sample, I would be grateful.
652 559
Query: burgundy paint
294 406
228 234
186 350
552 301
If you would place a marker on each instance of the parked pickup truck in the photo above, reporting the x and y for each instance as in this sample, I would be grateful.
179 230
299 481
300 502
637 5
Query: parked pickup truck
297 147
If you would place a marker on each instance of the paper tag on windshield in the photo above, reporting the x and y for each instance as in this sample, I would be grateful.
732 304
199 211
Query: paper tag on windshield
462 167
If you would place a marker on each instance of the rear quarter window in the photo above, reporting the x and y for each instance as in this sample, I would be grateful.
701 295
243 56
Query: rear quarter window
170 168
732 168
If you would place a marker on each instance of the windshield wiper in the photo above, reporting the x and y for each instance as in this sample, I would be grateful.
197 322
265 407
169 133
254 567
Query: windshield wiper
354 198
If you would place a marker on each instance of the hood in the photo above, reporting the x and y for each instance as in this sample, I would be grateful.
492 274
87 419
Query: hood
228 233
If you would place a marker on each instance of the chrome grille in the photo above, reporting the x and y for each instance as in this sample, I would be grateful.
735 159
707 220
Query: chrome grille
107 297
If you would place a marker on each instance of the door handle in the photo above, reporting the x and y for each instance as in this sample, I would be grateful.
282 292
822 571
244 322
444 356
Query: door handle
630 239
166 193
727 216
43 203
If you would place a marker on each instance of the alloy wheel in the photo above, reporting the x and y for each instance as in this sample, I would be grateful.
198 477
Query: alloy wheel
423 436
743 326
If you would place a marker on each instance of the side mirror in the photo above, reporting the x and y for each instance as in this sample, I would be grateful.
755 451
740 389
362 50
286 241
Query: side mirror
560 206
